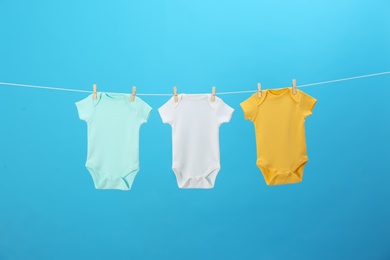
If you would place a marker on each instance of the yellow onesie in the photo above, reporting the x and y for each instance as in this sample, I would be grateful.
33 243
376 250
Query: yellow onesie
279 117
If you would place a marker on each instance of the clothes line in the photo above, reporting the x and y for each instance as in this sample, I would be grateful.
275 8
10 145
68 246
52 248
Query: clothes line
219 93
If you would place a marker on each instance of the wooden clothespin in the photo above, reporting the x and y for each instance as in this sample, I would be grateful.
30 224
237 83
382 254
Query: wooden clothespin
259 90
213 94
294 86
175 94
133 93
94 91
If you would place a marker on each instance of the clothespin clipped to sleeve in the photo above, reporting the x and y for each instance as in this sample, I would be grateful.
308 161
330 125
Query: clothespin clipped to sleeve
175 94
213 94
133 93
259 90
294 86
94 91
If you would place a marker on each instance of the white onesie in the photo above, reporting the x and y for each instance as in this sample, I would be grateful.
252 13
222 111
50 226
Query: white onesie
195 122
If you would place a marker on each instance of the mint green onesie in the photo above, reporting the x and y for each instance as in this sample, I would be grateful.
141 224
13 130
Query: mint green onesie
114 123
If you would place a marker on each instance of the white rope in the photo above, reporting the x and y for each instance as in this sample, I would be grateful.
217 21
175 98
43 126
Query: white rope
344 79
314 84
219 93
43 87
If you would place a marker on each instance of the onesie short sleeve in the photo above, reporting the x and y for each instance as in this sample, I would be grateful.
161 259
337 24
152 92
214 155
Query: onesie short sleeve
143 111
85 108
250 107
166 112
307 104
224 112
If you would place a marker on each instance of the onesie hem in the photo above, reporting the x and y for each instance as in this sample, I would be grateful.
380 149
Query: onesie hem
198 181
270 181
123 181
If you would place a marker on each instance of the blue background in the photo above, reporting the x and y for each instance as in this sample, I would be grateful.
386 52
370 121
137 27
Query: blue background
49 208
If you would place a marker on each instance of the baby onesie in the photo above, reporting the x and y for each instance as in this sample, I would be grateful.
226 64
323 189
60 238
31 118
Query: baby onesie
195 122
114 123
279 117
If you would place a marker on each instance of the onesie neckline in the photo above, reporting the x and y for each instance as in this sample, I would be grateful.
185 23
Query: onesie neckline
195 96
198 97
113 97
274 93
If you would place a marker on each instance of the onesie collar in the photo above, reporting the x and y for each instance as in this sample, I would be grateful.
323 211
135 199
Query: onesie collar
275 93
115 97
196 97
